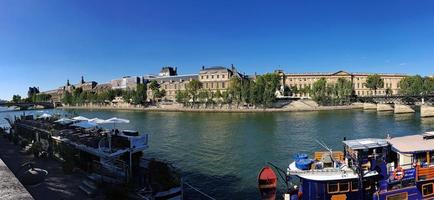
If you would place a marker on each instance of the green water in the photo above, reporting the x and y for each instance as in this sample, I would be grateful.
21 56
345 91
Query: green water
221 153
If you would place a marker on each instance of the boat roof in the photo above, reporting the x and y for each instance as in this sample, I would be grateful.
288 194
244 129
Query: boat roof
413 143
366 143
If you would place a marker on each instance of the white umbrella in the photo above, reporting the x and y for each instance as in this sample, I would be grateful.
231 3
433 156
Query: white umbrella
80 118
85 124
116 120
98 121
45 115
64 121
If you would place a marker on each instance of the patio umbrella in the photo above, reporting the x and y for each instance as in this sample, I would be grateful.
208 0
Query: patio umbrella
45 115
85 124
64 121
80 118
116 120
98 121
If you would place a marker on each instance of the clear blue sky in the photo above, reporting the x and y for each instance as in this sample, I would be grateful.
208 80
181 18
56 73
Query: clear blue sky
43 43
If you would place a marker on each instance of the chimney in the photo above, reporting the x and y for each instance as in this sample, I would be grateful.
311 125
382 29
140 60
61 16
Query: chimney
67 83
203 67
82 80
232 67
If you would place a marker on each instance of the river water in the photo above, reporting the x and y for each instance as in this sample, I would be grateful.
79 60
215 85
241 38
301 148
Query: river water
221 153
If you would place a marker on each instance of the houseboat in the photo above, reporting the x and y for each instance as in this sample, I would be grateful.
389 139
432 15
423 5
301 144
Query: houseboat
397 168
113 159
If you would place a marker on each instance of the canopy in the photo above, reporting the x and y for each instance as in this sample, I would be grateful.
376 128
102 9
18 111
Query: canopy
45 115
64 121
116 120
80 118
98 121
85 124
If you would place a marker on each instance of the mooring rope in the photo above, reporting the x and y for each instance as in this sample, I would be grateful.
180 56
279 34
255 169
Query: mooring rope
197 190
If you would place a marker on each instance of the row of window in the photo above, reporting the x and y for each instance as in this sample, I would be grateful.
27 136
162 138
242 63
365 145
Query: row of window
342 187
212 76
222 85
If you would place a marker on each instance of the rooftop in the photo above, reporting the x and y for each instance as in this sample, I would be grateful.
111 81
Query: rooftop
413 143
366 143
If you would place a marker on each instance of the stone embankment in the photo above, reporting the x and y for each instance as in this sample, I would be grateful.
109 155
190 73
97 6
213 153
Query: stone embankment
427 111
301 105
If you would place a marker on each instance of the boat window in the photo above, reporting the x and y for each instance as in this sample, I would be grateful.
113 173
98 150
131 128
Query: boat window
354 186
332 188
428 189
400 196
367 184
344 187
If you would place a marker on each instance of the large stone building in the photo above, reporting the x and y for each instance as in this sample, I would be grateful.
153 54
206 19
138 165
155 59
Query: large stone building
217 78
358 80
170 84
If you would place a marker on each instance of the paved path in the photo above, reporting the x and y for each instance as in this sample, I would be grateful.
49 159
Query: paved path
57 185
10 187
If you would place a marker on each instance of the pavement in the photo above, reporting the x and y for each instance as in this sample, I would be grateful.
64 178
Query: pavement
57 185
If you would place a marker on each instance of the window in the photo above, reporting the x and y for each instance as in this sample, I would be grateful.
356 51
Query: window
428 189
212 76
400 196
223 76
206 85
332 188
212 85
218 76
354 186
344 187
223 84
207 77
202 77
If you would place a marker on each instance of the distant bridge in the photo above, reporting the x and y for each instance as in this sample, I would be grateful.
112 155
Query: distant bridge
25 105
397 99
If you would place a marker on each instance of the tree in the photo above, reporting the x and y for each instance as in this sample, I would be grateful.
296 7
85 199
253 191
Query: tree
320 91
16 98
374 82
203 97
389 91
343 90
235 89
140 95
411 85
182 97
155 88
219 98
428 85
67 98
193 88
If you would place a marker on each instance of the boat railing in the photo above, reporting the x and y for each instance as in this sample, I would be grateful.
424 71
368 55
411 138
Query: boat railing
321 171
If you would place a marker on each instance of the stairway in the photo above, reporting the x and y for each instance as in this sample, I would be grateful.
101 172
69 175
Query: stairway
89 185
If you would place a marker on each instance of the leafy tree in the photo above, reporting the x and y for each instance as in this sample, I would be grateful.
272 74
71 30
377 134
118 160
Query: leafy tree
140 95
193 88
389 91
67 98
412 85
320 91
203 97
235 90
428 85
343 90
219 97
16 98
182 97
155 88
374 82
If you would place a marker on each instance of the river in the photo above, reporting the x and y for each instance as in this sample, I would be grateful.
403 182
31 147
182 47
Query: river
221 153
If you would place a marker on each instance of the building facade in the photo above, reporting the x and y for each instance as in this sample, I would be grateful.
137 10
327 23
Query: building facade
358 80
217 78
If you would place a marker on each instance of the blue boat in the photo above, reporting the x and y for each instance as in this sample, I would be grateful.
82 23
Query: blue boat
400 168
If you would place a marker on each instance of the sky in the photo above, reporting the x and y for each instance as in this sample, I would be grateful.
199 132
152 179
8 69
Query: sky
45 42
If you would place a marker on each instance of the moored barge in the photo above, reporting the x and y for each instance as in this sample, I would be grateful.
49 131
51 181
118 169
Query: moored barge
112 159
397 168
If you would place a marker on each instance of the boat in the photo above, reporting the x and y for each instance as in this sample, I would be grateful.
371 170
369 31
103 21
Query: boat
398 168
112 159
267 183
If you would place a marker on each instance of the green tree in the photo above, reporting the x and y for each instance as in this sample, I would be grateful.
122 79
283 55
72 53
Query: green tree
219 98
234 90
411 85
16 98
344 90
67 98
182 97
320 91
374 82
428 85
155 88
193 88
139 96
204 97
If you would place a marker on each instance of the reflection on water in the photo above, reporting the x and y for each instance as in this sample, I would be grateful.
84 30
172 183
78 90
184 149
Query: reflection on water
221 153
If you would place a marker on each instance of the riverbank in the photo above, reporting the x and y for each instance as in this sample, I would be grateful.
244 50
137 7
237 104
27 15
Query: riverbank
220 110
